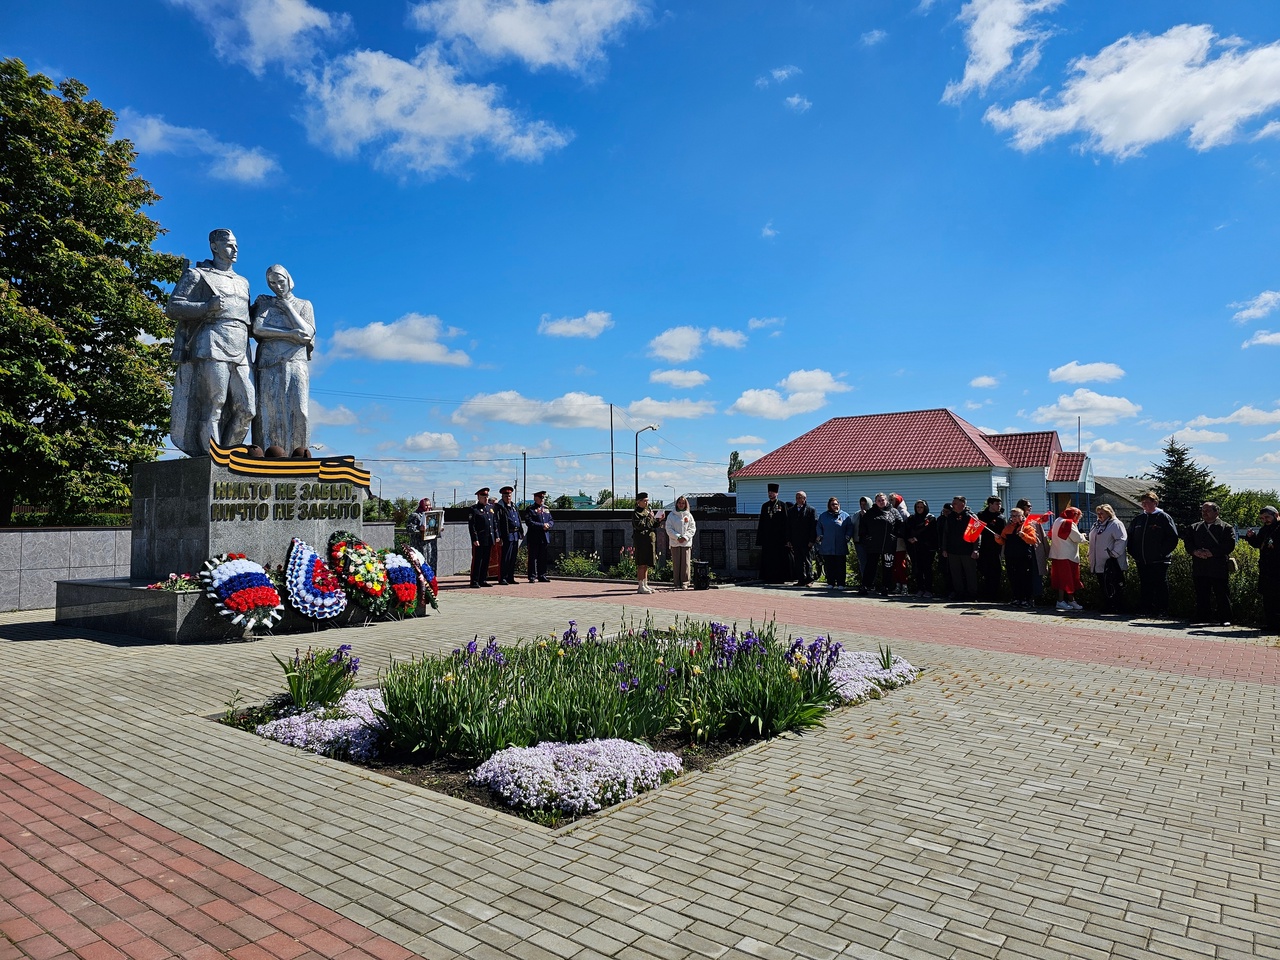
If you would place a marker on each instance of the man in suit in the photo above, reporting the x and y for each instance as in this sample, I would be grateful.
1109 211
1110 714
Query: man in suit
538 536
483 524
509 535
802 534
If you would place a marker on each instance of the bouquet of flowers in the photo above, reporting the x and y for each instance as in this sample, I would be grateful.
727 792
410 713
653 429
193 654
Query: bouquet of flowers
313 589
403 581
178 583
426 576
360 571
241 590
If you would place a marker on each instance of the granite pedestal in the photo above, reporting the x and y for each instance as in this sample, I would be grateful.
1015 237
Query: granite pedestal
187 511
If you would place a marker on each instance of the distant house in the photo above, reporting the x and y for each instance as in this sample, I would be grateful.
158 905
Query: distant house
922 454
1123 493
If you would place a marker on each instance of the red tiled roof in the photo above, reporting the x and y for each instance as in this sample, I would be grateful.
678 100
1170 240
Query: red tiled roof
1027 449
1066 467
879 443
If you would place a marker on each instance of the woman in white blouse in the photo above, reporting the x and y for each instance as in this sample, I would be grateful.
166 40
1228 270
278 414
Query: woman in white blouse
680 530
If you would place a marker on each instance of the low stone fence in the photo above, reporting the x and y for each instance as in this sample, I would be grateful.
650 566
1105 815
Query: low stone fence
33 559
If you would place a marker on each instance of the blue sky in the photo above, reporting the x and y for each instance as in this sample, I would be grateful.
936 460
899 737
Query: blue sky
733 218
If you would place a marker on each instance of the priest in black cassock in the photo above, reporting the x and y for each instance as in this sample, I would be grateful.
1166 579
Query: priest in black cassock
771 538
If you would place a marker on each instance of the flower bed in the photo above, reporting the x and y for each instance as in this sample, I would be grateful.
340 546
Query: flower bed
563 725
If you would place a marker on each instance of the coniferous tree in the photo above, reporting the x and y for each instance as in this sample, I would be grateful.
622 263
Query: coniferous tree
1183 484
84 372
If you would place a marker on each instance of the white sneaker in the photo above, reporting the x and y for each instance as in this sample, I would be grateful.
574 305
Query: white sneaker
645 588
1063 605
640 588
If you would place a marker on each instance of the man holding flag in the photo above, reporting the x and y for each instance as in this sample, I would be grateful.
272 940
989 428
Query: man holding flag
960 550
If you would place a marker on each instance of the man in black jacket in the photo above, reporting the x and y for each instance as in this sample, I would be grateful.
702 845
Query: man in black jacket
989 550
802 534
1153 536
482 521
960 554
1210 543
879 528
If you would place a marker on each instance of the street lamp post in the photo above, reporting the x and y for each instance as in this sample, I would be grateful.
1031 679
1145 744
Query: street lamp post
652 426
673 494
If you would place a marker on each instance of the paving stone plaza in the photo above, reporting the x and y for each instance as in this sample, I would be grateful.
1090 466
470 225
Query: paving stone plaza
1048 788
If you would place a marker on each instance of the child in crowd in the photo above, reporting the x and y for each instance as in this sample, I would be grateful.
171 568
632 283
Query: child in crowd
1064 558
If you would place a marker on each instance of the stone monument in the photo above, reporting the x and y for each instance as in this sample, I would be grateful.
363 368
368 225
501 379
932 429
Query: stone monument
285 329
213 395
227 498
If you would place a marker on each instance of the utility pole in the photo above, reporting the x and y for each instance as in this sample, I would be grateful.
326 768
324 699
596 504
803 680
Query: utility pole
613 481
524 489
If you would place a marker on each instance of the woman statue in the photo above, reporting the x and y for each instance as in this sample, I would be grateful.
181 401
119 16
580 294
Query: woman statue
285 329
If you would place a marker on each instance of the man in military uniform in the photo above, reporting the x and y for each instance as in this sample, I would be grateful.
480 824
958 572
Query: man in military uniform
538 519
483 524
213 394
509 535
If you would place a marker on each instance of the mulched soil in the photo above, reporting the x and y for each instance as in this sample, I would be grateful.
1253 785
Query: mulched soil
452 776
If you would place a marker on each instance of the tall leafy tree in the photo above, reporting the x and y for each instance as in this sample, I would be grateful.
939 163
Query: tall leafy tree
1183 484
84 384
735 464
1240 507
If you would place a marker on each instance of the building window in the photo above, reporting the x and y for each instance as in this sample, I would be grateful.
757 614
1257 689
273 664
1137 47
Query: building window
614 541
748 552
584 541
711 546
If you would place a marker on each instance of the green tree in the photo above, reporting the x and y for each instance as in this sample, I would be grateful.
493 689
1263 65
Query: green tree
735 464
83 396
1240 507
1183 484
563 502
604 496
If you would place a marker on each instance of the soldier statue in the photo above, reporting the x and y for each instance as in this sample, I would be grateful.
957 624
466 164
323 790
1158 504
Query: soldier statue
213 394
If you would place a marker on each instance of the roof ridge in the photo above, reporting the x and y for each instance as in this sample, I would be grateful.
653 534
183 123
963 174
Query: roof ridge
965 426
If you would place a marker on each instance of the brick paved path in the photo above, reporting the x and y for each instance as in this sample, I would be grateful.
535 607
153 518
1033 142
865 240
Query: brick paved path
1048 789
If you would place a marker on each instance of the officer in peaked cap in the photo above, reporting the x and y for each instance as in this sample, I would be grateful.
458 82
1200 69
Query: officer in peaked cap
483 524
510 534
538 520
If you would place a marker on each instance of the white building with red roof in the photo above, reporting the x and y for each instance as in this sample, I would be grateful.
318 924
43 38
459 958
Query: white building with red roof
928 455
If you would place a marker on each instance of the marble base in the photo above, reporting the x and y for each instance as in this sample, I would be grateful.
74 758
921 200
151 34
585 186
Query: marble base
186 511
126 607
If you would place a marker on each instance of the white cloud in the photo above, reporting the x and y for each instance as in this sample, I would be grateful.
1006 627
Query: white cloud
1270 437
230 161
1144 89
1076 372
323 416
1245 416
414 337
574 409
427 442
1201 436
1104 447
750 456
1257 308
1095 408
759 323
679 378
1263 338
1268 458
591 325
797 103
767 230
873 37
984 382
677 344
995 30
734 339
805 391
745 438
777 75
978 404
257 33
565 34
650 409
419 116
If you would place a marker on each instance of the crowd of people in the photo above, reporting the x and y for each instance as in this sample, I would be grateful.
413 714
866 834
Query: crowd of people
899 551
